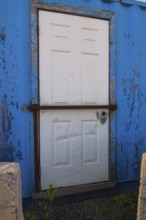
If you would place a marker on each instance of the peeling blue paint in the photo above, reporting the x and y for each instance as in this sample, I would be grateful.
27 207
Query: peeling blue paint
2 35
6 147
136 160
8 152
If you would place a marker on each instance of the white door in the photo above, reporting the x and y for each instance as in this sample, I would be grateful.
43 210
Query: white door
73 71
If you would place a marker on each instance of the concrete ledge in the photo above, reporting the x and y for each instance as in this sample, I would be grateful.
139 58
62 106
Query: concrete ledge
10 192
141 210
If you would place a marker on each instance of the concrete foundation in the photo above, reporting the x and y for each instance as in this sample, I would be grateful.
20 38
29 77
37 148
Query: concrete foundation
141 211
10 192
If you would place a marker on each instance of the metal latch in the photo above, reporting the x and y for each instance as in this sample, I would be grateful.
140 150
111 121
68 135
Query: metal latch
102 115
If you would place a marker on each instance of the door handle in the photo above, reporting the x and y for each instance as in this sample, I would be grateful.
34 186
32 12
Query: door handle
102 115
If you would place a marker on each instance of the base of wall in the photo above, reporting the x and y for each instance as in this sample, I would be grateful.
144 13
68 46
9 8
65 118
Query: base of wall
141 210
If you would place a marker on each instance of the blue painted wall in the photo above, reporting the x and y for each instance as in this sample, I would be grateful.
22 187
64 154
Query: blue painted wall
16 122
15 88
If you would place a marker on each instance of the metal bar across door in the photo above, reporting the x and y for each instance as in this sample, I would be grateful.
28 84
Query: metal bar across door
34 107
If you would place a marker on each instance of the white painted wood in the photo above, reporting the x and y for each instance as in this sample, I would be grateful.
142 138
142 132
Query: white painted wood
74 59
73 148
74 70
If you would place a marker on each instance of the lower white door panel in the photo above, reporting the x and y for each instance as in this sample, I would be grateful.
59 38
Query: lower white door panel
74 147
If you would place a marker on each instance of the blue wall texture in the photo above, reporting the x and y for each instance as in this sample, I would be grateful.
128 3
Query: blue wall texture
16 121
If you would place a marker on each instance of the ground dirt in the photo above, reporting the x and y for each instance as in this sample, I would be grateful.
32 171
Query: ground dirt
122 206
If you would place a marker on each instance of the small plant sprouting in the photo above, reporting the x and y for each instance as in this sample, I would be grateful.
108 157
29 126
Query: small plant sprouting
52 192
45 210
115 207
30 216
46 204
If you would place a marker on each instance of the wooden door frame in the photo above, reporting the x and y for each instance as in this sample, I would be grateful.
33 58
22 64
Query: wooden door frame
106 15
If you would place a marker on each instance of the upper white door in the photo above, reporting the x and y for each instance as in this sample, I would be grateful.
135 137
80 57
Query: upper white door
73 70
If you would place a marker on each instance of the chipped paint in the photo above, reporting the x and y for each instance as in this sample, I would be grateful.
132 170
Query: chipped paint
2 35
132 92
6 146
8 152
24 108
112 83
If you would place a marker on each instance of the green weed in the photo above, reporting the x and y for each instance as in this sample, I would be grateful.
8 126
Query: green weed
123 205
44 208
118 207
30 216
